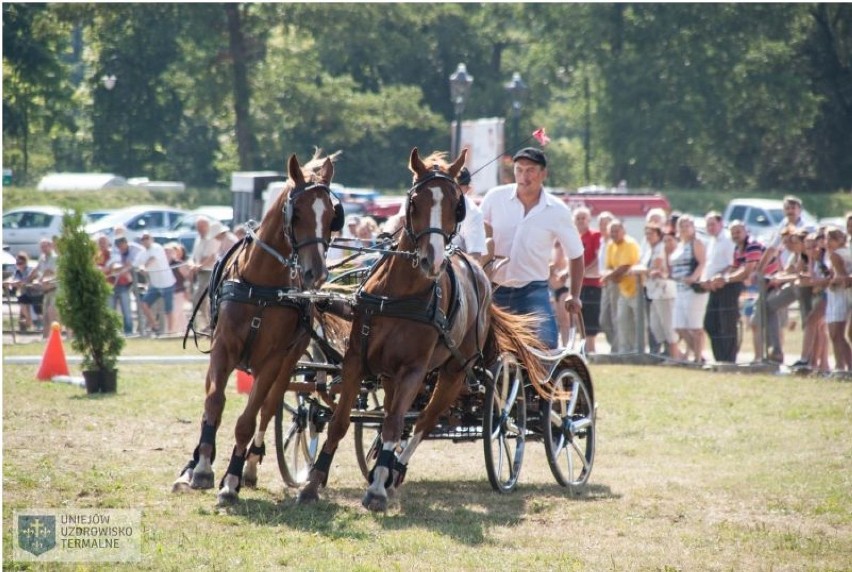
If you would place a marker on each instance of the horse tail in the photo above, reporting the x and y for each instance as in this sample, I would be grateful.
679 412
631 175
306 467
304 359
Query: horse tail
516 334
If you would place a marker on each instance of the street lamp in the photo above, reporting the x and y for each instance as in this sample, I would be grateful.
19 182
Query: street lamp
516 88
109 81
460 82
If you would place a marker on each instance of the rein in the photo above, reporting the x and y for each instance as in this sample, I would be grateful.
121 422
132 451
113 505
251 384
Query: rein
382 248
292 263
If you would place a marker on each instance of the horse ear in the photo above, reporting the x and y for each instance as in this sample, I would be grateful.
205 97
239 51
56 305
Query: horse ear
415 164
326 172
458 164
294 170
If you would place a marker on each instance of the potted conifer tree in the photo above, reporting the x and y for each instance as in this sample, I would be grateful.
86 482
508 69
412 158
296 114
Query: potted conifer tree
83 302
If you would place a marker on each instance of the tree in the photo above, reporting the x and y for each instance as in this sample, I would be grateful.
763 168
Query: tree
36 92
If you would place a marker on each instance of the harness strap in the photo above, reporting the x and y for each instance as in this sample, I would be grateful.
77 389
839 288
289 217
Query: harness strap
412 308
254 327
261 297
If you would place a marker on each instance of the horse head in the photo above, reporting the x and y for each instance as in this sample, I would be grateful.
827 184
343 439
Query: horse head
306 214
435 208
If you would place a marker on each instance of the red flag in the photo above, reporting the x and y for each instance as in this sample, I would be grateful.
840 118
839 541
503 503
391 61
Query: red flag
541 136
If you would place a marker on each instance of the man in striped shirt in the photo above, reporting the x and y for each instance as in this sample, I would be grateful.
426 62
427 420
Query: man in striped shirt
747 256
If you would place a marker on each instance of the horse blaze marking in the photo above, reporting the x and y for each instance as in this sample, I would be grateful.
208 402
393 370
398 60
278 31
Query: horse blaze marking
435 222
318 210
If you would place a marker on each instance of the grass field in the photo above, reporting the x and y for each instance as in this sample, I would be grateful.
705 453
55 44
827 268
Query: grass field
694 471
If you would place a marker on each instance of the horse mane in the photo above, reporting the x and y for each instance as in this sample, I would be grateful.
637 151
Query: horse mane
436 159
310 170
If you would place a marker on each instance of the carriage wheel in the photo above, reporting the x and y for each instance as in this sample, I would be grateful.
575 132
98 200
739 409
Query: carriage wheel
504 424
569 437
368 441
297 431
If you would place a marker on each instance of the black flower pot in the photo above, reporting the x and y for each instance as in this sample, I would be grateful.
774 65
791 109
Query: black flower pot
101 380
109 380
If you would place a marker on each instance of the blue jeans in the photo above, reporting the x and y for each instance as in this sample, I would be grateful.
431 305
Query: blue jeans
121 296
534 298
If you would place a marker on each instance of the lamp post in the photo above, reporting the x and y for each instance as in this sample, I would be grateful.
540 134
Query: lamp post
460 82
516 88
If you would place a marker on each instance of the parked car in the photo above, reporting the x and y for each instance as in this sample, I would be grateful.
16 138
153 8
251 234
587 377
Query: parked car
24 227
838 221
761 216
153 218
94 216
183 230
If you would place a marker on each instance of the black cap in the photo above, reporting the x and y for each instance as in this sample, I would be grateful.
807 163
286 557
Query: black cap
463 177
532 154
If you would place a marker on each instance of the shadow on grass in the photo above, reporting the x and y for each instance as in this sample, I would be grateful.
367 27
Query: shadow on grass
461 510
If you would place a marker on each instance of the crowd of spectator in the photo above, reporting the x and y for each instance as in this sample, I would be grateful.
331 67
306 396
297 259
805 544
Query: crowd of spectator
722 284
667 292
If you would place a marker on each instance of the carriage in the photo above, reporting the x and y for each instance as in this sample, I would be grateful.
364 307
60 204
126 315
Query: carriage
417 352
500 407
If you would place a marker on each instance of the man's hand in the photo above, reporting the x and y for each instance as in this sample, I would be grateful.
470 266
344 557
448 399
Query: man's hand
573 305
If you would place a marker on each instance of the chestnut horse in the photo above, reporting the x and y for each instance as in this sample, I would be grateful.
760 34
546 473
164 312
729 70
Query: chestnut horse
258 327
426 312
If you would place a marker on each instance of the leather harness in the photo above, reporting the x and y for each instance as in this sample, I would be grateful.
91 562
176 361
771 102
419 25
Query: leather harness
412 308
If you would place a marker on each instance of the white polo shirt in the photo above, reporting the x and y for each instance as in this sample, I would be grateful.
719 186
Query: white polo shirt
720 254
471 236
527 240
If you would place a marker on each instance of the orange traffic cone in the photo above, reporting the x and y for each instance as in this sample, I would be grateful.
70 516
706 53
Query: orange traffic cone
53 361
244 382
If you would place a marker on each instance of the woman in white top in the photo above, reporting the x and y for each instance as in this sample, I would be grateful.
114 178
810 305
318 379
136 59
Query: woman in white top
661 290
837 308
687 265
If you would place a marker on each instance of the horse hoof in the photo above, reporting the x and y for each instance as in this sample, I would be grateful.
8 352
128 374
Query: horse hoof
202 480
307 497
250 482
227 499
374 503
182 484
180 487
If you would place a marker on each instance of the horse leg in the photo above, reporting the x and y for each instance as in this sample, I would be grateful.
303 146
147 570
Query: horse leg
258 449
198 472
266 377
351 376
446 392
376 497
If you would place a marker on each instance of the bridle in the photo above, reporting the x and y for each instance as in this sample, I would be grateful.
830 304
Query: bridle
288 208
292 262
434 174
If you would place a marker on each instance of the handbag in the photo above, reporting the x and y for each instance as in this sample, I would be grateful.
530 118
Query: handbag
693 264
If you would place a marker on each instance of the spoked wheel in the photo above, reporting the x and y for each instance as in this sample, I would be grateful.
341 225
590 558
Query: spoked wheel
504 424
298 424
569 437
368 435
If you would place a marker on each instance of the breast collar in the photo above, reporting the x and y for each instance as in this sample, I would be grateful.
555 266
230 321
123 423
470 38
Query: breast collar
417 308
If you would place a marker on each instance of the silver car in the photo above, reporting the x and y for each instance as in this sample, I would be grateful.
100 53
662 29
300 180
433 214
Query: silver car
24 227
151 218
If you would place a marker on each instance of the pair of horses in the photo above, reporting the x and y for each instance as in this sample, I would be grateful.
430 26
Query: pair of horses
420 311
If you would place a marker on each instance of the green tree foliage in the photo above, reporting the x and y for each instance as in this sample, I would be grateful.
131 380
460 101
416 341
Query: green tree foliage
732 96
36 92
83 299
